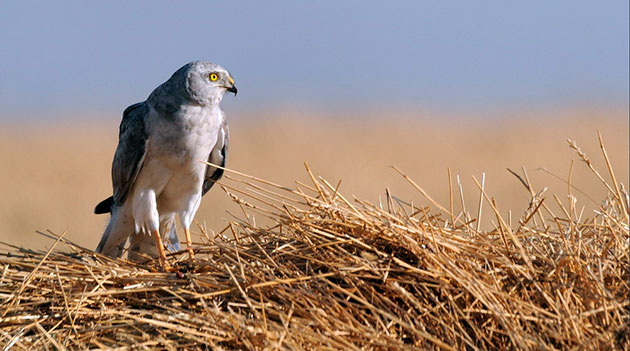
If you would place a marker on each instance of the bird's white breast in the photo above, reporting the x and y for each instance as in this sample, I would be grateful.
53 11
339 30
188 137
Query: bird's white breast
186 138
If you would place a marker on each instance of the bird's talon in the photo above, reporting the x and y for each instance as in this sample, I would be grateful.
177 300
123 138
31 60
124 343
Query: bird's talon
166 267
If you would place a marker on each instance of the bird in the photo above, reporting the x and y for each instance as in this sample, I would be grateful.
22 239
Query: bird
158 170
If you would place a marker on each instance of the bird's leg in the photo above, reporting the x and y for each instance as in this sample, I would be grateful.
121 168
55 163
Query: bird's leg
189 243
161 253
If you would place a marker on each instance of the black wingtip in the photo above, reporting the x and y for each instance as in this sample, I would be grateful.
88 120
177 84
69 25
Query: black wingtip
104 206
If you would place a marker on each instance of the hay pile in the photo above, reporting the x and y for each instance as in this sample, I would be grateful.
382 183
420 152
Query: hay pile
335 274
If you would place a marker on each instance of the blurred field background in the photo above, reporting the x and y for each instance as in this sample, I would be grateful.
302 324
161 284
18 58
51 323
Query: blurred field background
54 173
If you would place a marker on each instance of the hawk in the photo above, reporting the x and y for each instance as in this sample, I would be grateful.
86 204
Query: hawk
157 171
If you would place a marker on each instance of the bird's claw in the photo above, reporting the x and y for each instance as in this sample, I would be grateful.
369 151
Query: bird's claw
165 266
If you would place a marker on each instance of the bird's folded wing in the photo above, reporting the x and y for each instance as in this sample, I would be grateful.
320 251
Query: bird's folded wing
129 156
217 156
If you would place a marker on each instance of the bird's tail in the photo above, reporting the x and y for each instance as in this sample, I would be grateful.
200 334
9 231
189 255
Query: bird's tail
114 238
143 245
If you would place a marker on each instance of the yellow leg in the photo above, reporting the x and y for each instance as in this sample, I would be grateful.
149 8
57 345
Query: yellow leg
161 253
189 243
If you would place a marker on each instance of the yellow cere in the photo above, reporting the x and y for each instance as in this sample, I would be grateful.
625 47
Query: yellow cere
231 80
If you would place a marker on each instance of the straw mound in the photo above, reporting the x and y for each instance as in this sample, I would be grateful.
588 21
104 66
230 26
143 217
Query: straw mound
333 274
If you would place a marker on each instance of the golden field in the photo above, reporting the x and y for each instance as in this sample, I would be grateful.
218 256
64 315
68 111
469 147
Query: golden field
54 172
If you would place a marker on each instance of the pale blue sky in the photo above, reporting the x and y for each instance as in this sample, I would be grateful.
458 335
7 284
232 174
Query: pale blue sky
103 56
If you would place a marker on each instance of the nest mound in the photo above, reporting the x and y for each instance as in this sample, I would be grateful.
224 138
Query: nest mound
328 273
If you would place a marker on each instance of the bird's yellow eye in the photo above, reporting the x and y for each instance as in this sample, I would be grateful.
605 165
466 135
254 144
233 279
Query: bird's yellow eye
214 77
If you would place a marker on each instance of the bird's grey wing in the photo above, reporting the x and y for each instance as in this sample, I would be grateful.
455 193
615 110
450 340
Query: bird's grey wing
131 150
129 155
217 156
127 163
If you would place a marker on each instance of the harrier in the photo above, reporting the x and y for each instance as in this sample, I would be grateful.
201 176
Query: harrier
158 171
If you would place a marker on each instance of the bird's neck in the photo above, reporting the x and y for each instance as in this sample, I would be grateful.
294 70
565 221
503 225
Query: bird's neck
168 99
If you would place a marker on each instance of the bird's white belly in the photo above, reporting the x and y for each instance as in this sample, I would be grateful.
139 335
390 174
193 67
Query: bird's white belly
170 182
184 184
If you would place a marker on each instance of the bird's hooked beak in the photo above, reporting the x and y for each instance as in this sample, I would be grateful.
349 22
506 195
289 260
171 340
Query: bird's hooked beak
232 87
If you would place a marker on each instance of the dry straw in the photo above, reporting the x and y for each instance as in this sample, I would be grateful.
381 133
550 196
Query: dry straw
328 273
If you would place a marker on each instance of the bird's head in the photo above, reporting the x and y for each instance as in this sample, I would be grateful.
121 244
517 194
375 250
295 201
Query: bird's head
205 82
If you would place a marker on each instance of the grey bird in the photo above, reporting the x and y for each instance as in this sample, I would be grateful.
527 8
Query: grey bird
157 171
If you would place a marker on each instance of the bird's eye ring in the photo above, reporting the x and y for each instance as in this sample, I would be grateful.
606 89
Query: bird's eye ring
214 77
